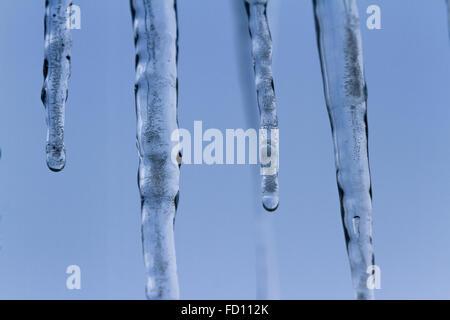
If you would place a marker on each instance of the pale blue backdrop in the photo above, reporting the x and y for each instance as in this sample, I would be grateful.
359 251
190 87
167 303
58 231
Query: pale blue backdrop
89 214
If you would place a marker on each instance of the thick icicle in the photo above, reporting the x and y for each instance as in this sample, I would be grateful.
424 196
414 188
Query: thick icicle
58 45
262 61
155 32
340 48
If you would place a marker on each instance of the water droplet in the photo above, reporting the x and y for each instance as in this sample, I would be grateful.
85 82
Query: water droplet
270 202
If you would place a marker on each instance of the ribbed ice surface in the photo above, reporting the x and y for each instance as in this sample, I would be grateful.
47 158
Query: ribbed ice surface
340 48
58 45
262 61
155 31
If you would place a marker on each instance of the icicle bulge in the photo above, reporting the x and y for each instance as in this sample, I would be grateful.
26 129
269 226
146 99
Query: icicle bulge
340 49
155 31
58 45
262 61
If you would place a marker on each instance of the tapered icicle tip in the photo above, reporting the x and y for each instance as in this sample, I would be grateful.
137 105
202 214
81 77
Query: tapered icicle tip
56 157
270 202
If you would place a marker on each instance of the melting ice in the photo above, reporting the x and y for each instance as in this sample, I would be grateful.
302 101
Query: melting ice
340 48
58 45
262 62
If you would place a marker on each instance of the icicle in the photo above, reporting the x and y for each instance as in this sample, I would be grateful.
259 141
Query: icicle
58 45
340 48
262 61
267 284
155 31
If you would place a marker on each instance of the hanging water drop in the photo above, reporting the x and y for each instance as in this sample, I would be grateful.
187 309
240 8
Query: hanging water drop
58 45
262 61
340 49
155 31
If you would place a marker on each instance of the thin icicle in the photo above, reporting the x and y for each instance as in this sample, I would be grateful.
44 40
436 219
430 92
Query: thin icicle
155 31
267 284
58 45
262 61
266 263
340 48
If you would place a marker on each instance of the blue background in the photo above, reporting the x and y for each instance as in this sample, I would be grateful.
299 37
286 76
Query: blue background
89 214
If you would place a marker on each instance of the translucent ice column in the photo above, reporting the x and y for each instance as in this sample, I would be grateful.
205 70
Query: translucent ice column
340 48
266 262
262 62
58 45
155 32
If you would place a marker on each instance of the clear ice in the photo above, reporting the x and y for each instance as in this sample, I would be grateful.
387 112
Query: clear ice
266 263
262 61
340 49
155 37
58 45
